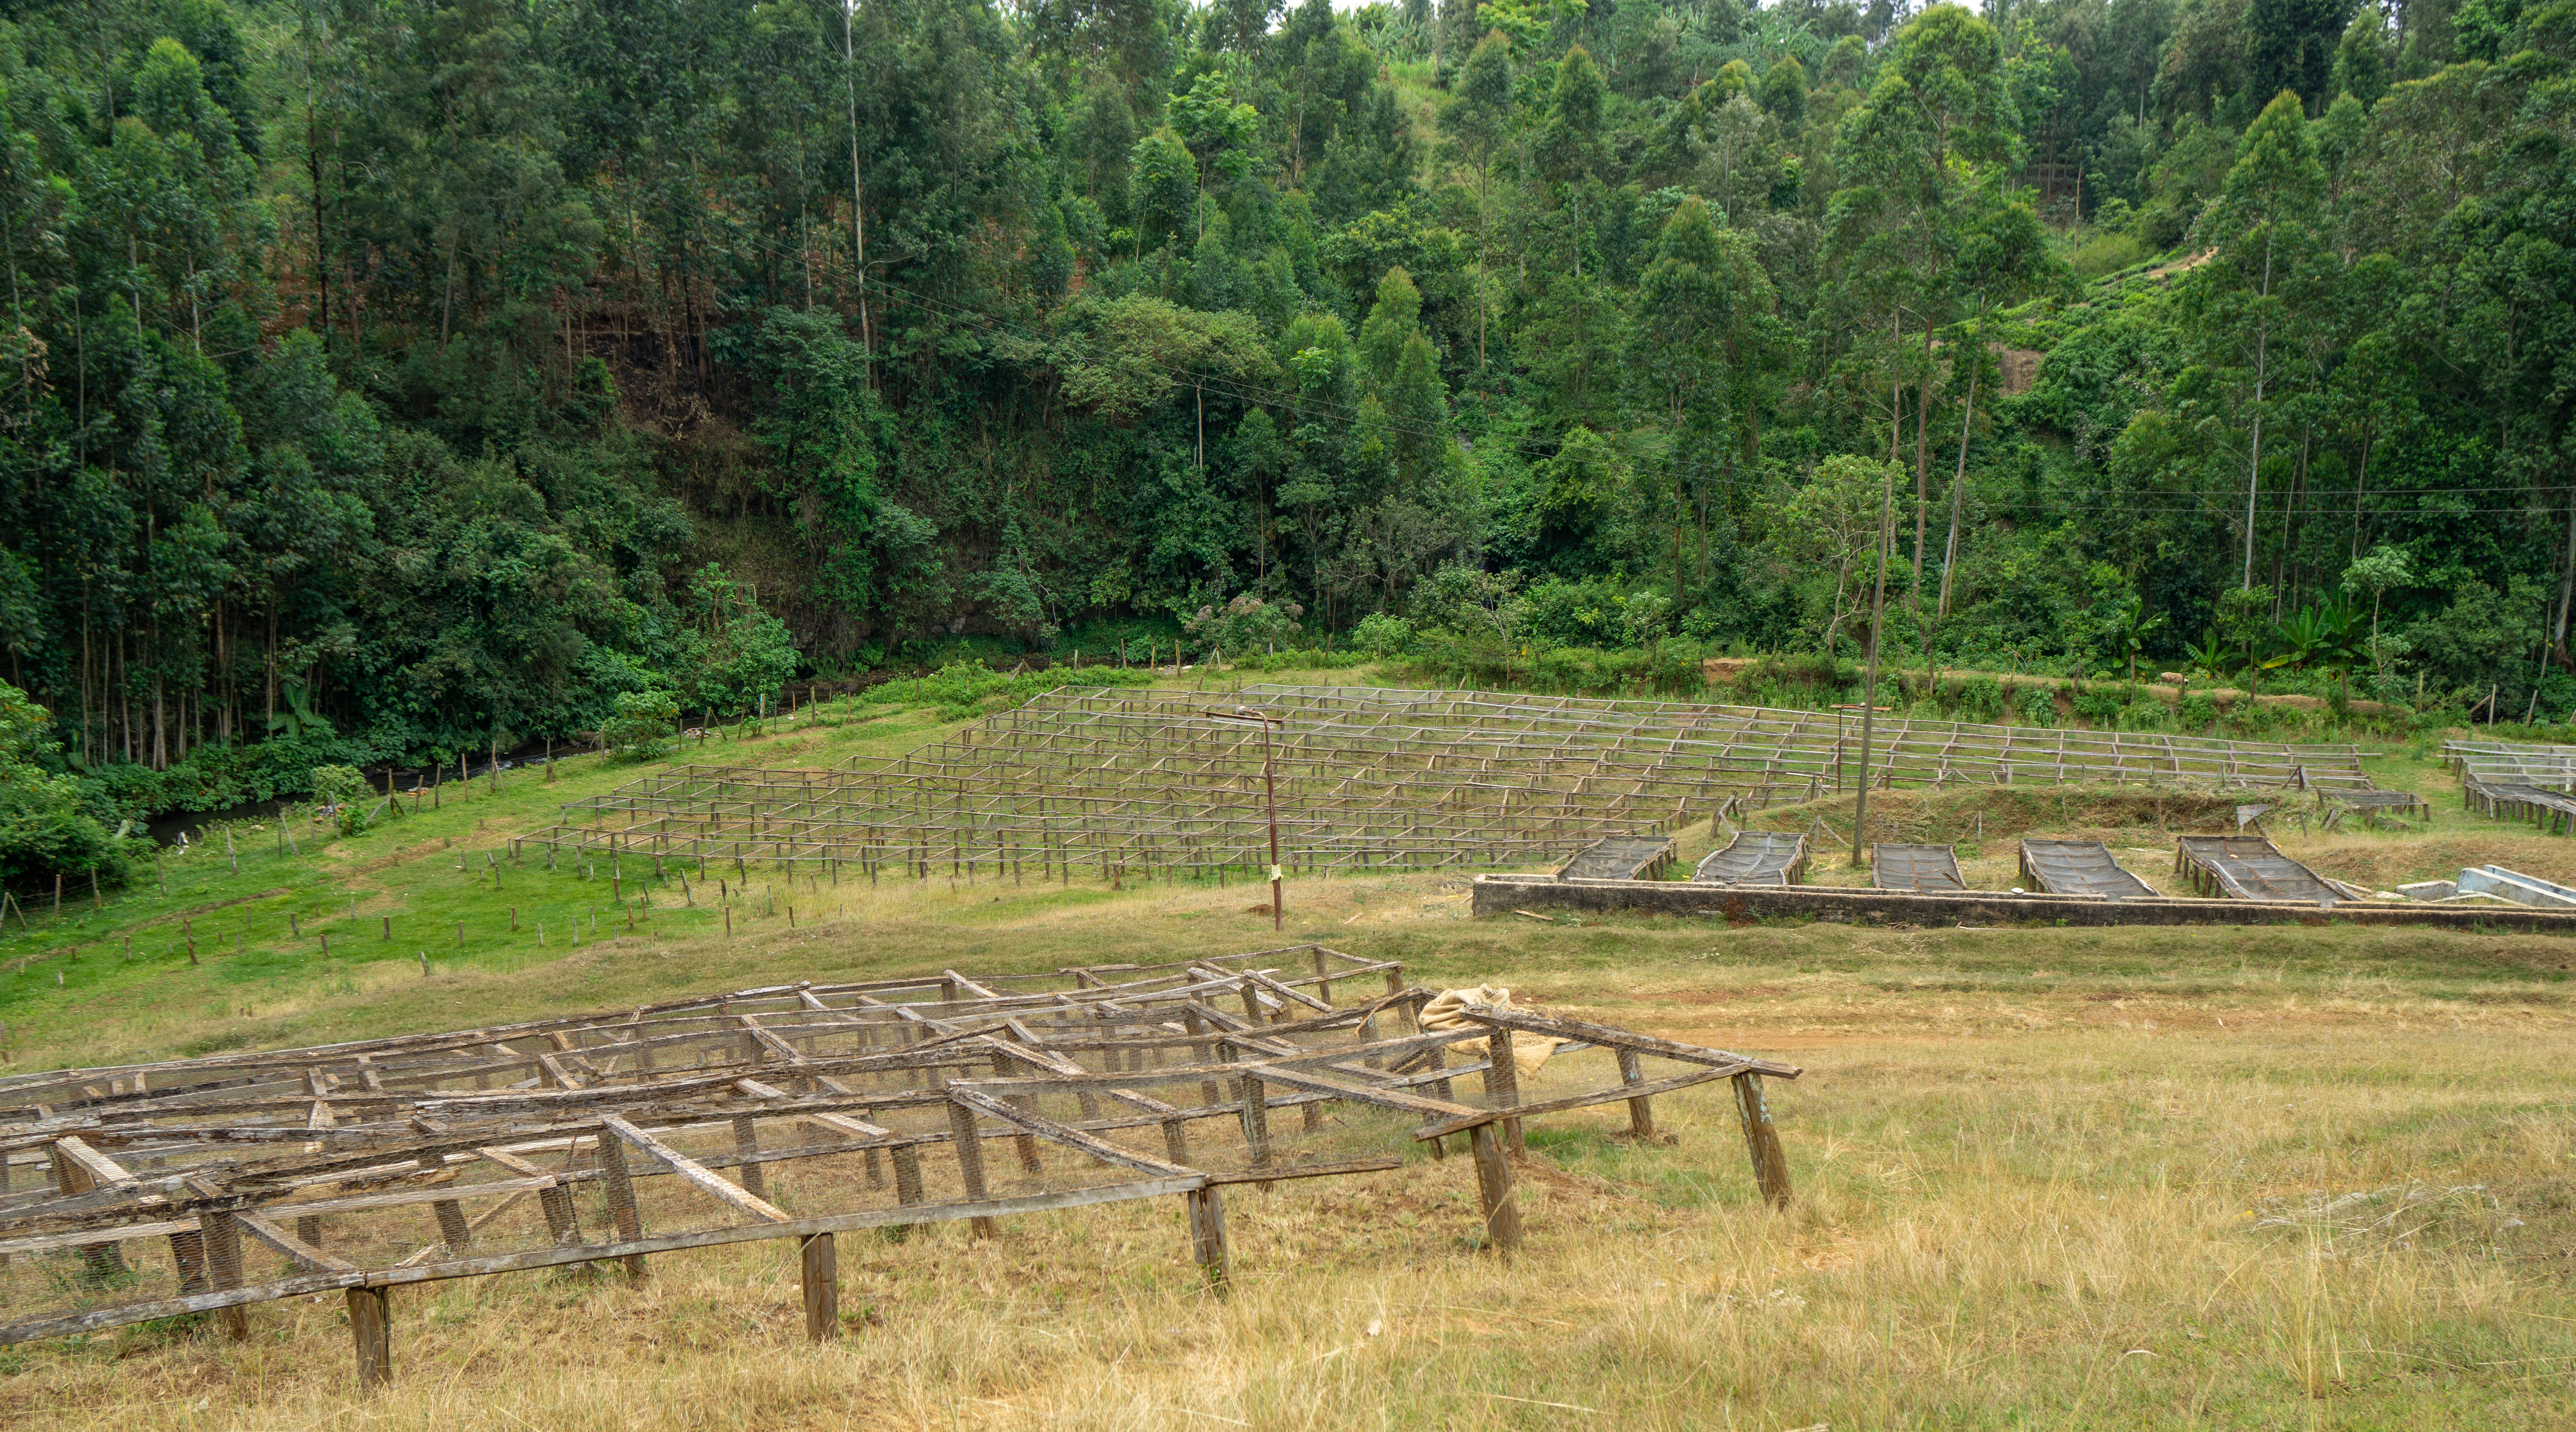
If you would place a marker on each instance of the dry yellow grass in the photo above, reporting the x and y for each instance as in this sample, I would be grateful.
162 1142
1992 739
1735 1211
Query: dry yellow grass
2242 1178
2045 1178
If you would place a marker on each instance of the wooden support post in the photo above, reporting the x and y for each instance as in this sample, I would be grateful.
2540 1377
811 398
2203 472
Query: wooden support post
452 1227
1503 1083
1641 1112
1256 1118
371 1328
1323 978
75 1165
1026 1144
1494 1188
1205 1208
1200 1053
1762 1141
188 1251
822 1273
970 1162
224 1270
907 1182
746 1141
563 1224
621 1199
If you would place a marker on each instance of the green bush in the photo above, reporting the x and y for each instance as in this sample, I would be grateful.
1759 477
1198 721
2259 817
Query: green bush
2039 706
643 727
343 789
2102 708
2198 712
1979 698
1382 635
969 687
1245 626
46 828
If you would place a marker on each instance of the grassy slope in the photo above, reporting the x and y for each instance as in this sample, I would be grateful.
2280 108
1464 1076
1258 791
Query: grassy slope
2064 1178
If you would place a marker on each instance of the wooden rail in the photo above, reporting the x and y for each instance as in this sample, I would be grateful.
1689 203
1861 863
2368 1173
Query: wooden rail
212 1185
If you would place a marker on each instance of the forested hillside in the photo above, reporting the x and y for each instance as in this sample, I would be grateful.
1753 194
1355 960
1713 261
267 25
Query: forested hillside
389 378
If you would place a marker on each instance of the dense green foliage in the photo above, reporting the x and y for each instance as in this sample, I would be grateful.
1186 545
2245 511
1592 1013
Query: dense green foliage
388 379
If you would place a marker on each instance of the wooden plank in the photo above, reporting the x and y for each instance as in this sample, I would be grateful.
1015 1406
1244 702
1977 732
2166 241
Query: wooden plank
1363 1094
290 1245
104 1174
1614 1038
100 1319
1280 1173
1054 1132
707 1179
1578 1101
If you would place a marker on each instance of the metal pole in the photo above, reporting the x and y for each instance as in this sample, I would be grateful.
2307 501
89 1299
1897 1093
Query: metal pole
1869 686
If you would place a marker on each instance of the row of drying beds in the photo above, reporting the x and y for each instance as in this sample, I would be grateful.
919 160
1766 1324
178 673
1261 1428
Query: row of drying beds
2238 867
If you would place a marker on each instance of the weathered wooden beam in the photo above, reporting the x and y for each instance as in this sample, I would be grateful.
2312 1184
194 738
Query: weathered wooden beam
707 1179
1613 1094
293 1247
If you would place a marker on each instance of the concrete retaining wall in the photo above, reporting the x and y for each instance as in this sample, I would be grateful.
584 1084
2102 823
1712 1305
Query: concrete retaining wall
1502 894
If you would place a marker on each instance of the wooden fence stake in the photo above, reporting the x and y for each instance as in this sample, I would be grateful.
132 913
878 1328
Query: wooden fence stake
1503 1083
746 1141
371 1327
822 1288
970 1161
621 1199
1641 1112
1494 1188
1206 1210
1762 1141
224 1270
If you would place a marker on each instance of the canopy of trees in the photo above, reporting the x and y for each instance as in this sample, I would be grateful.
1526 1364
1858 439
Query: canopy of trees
387 378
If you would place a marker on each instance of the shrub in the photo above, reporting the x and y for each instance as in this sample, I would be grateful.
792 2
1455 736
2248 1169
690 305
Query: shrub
1382 635
643 726
2198 712
343 791
970 686
1246 625
2102 708
45 828
2039 706
1979 698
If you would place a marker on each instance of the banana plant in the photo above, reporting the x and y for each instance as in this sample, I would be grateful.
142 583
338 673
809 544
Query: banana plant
2130 628
2213 660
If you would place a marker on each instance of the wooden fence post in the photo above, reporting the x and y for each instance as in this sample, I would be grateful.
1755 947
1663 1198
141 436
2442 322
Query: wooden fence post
1762 1141
822 1288
970 1162
1206 1210
621 1199
223 1268
371 1328
1641 1112
1494 1187
1503 1083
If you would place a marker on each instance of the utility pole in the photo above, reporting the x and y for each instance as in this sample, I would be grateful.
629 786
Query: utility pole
1869 685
